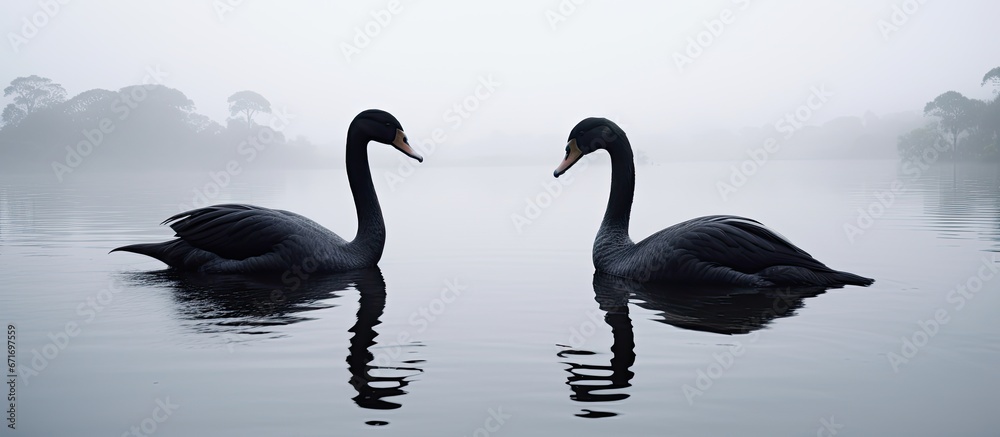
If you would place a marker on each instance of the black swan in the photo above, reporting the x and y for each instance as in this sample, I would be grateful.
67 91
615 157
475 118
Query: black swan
719 249
252 239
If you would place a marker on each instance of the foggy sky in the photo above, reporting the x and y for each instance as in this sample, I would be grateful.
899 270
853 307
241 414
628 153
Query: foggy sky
614 59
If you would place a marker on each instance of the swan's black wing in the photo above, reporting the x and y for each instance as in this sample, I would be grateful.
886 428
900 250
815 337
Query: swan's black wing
738 250
725 249
742 244
238 232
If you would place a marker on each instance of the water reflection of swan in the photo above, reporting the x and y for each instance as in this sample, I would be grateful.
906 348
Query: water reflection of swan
243 304
372 380
721 310
237 305
604 383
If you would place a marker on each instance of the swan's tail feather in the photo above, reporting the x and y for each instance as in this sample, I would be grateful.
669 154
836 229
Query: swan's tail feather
846 278
173 253
803 276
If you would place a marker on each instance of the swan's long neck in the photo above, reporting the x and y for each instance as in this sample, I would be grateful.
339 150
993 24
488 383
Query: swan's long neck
370 239
613 235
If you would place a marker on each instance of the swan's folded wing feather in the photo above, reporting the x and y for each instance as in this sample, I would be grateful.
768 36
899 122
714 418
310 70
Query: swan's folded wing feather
742 244
234 231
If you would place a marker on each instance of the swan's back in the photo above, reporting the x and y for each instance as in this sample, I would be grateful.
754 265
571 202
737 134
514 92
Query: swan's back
240 238
725 249
739 242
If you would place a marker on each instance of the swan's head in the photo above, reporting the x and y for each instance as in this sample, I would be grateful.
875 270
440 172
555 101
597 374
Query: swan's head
588 136
381 126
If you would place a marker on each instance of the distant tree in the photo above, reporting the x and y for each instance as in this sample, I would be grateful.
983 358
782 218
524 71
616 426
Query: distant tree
31 94
158 96
989 127
914 144
248 103
89 106
12 115
88 99
200 123
993 77
957 114
978 143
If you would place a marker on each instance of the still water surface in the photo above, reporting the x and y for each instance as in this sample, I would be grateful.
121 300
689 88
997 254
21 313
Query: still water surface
480 324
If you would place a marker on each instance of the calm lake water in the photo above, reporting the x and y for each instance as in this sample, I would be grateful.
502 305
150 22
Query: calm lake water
478 323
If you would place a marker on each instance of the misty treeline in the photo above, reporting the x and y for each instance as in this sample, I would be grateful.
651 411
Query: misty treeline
961 128
151 126
141 127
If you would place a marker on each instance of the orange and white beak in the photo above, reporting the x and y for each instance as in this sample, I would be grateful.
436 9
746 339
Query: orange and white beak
402 145
573 154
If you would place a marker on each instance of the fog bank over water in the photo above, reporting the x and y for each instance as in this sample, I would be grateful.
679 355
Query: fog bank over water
499 82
